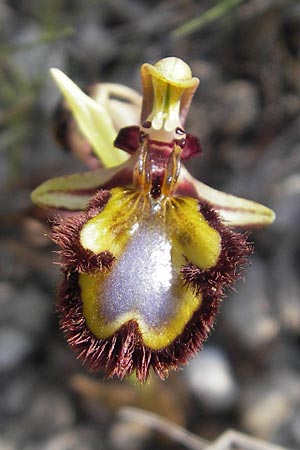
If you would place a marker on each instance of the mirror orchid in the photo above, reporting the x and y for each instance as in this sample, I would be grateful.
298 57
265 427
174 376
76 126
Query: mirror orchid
148 257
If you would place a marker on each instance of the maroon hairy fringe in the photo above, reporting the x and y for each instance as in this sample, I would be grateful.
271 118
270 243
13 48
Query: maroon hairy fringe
125 352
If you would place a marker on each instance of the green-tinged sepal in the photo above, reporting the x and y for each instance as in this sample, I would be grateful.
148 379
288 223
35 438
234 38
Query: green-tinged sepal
92 119
122 103
73 192
233 211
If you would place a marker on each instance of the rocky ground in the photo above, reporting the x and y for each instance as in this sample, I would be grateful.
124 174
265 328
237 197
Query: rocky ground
247 115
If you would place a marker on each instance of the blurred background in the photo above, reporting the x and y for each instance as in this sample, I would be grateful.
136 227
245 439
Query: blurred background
246 113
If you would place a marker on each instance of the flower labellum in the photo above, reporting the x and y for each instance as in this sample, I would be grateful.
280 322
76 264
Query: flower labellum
148 261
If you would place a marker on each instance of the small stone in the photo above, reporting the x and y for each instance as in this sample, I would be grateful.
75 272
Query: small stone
209 74
237 105
15 346
95 43
79 438
27 308
295 428
269 403
32 61
123 436
49 412
210 379
286 197
18 393
7 445
248 313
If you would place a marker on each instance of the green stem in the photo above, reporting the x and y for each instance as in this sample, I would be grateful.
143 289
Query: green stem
208 16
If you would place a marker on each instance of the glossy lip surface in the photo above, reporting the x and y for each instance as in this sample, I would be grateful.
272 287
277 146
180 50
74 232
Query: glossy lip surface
153 240
144 285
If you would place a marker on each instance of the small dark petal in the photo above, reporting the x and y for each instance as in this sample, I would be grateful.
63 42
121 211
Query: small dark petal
186 188
192 147
128 139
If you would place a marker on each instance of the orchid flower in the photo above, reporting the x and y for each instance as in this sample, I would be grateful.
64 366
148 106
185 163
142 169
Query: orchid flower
147 261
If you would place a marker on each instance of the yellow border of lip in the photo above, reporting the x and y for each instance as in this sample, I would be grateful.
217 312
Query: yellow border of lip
155 338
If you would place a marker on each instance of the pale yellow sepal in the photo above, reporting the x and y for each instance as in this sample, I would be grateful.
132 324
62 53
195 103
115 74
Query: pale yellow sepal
122 103
73 192
93 120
